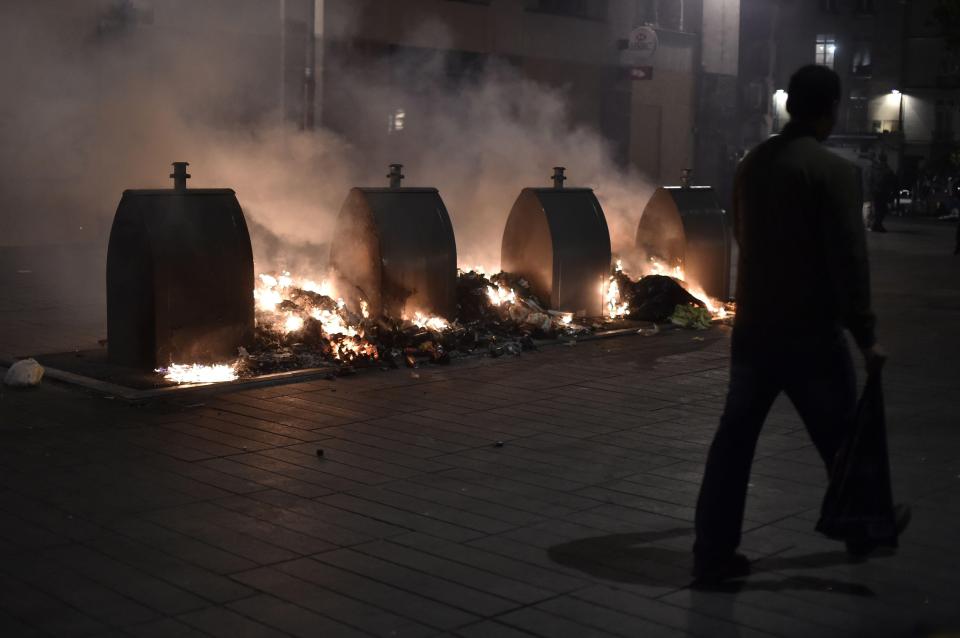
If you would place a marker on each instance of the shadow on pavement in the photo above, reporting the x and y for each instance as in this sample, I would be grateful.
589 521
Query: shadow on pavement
628 558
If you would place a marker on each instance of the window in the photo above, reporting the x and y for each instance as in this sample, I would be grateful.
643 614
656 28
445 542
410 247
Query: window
943 122
396 120
588 9
826 48
857 112
862 59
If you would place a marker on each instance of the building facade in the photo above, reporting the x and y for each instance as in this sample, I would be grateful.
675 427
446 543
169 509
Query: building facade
901 76
663 107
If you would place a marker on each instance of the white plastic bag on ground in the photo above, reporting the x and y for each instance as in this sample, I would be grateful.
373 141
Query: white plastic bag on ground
24 374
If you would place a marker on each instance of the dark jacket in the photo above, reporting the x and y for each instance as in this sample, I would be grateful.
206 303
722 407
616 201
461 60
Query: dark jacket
803 257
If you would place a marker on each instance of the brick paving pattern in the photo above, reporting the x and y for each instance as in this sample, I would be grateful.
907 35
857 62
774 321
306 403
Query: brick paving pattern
214 514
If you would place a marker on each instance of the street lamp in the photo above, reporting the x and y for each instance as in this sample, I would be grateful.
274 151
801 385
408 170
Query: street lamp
779 103
897 94
903 142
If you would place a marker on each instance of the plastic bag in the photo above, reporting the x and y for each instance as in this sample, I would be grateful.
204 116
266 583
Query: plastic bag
858 505
691 317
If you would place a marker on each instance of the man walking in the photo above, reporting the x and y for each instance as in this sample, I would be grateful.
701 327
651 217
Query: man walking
803 277
883 186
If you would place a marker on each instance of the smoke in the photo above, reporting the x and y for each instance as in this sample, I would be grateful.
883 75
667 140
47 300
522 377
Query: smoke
100 103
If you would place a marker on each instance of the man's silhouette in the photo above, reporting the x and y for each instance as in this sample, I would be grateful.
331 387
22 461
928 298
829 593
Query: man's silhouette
883 186
802 278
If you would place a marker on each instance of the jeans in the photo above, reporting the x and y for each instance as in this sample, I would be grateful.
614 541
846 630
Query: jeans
816 372
880 209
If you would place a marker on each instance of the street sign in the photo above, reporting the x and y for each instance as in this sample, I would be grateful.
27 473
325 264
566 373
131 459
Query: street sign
643 40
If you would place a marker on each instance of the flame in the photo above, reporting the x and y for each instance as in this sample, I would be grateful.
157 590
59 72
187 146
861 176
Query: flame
350 348
292 323
333 324
615 306
421 320
347 341
499 295
196 373
658 268
717 308
566 319
324 288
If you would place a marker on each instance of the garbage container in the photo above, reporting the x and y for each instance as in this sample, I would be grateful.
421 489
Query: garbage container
396 246
557 239
685 226
179 276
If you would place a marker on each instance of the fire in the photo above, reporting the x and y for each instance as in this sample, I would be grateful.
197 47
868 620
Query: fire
438 324
350 348
499 295
332 323
618 308
292 323
196 373
658 268
285 303
615 306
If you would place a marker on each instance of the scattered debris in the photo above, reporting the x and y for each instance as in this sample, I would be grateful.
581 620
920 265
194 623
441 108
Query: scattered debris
654 297
649 331
25 373
302 324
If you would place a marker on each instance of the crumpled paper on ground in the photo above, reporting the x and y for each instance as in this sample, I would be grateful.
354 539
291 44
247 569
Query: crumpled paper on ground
25 373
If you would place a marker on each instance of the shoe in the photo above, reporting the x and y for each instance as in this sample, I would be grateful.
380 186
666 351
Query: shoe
858 549
713 571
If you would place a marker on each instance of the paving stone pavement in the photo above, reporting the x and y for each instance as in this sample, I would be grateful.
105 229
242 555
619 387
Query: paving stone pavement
214 515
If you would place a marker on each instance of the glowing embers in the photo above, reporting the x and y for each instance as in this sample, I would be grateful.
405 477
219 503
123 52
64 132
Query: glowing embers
437 324
196 373
507 302
498 295
616 307
302 311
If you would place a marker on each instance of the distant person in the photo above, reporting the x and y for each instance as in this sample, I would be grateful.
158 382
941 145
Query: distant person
803 277
883 186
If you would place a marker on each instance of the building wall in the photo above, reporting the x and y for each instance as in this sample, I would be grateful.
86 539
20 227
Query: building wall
583 56
931 85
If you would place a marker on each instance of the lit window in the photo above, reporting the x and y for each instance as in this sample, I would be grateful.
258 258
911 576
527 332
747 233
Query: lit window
395 120
862 59
826 48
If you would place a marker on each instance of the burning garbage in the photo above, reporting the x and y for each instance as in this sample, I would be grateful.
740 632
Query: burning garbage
687 230
662 294
393 295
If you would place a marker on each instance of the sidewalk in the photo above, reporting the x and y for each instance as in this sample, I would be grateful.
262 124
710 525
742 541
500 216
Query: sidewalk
214 515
